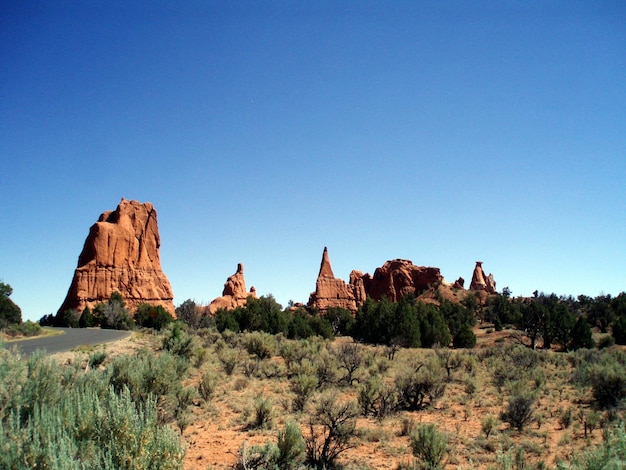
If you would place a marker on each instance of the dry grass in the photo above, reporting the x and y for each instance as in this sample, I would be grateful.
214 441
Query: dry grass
219 427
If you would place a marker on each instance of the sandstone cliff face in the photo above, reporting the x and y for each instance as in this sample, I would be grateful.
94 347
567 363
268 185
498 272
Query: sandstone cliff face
400 277
393 280
121 253
482 282
234 294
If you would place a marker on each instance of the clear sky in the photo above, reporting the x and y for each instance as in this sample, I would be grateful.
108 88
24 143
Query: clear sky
442 132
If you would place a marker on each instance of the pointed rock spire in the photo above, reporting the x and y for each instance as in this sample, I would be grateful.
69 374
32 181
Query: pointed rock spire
325 269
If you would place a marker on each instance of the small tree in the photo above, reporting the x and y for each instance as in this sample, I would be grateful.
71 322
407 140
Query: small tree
581 336
187 312
87 319
10 313
331 429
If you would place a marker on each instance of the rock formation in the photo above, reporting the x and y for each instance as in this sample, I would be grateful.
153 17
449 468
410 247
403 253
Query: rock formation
331 292
234 294
393 280
121 253
400 277
482 282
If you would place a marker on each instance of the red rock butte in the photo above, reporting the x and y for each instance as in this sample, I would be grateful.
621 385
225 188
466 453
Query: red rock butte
121 253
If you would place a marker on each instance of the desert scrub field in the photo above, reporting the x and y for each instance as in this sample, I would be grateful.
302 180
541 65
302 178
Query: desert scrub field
200 399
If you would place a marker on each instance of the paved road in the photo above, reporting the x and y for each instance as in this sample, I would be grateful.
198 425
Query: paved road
70 339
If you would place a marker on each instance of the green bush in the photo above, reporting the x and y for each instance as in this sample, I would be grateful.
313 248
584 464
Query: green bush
291 446
519 411
429 445
260 344
608 383
303 386
415 386
377 399
65 418
177 341
207 385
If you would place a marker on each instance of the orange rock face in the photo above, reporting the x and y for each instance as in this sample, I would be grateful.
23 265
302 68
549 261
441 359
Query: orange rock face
234 294
331 292
482 282
121 253
400 277
393 280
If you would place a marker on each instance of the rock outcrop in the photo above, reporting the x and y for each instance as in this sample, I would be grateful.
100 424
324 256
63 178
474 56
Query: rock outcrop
400 277
234 294
482 282
121 253
393 280
331 292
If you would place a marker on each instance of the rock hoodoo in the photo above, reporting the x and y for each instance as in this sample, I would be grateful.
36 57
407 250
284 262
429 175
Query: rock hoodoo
331 292
400 277
121 253
482 282
393 280
234 294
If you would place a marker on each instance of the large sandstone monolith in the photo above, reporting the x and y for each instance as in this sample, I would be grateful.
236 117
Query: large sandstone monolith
331 292
234 294
400 277
482 282
121 253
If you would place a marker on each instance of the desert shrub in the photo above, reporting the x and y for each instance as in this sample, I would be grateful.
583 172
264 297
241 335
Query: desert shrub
262 414
519 411
332 427
303 386
229 358
326 369
429 445
146 375
177 341
257 457
84 429
97 357
12 378
608 383
27 329
260 344
43 387
377 399
565 417
350 359
488 425
415 386
207 386
291 446
610 455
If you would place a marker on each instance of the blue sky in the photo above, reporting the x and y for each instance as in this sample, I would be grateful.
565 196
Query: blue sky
442 132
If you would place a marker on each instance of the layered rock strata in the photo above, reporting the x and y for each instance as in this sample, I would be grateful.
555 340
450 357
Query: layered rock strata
121 253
